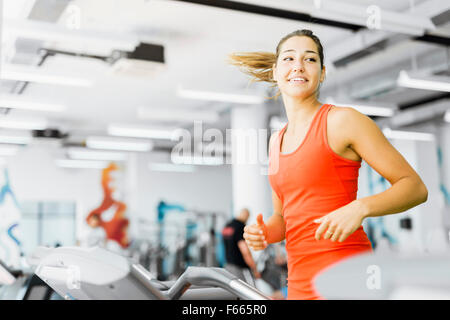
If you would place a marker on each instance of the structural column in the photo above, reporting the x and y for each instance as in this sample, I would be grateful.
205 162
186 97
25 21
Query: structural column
249 160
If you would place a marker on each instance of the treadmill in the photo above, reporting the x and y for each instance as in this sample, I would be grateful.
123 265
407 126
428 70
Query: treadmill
77 273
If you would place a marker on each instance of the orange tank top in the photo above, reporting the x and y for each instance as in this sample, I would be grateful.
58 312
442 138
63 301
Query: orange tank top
311 182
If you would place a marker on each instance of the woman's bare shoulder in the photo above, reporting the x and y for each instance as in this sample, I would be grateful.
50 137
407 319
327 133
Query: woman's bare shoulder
345 117
346 123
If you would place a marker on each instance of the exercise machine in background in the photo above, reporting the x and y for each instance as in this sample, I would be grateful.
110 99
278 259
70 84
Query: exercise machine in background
189 238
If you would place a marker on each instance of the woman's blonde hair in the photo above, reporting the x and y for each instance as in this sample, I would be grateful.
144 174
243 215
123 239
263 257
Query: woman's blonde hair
259 64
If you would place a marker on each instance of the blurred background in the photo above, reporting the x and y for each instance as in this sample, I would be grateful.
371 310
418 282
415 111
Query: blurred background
86 83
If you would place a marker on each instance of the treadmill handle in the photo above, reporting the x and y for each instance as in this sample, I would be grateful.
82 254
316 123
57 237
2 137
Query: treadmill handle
214 277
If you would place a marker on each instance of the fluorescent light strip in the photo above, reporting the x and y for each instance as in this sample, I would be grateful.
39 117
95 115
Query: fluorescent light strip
85 154
370 110
140 132
218 96
405 80
177 114
19 103
375 111
38 75
15 139
8 150
197 160
81 164
169 167
23 123
109 143
408 135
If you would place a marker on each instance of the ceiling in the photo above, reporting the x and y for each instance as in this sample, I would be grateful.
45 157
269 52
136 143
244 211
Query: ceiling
362 64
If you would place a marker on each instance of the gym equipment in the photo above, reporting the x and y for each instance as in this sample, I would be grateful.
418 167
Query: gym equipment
95 273
387 276
23 285
200 245
273 273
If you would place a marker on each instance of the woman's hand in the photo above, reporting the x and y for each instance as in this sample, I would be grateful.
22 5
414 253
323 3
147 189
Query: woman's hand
256 234
341 223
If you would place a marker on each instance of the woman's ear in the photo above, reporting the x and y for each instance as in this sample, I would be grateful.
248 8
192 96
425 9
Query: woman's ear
322 75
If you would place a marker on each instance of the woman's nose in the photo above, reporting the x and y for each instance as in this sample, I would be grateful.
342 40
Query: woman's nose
298 67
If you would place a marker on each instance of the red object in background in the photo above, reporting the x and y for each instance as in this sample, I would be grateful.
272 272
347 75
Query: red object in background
116 228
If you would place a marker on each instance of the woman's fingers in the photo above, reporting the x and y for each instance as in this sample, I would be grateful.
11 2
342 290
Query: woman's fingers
257 245
254 237
321 229
250 236
254 228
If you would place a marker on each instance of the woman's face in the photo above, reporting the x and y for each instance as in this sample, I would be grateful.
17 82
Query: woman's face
297 71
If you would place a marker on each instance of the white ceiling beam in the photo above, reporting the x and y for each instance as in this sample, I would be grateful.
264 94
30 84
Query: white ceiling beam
53 32
365 38
419 114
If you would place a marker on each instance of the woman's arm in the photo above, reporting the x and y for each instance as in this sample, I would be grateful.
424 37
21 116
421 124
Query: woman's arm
407 189
259 235
276 227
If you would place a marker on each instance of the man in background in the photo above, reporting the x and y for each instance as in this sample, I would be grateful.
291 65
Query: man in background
238 256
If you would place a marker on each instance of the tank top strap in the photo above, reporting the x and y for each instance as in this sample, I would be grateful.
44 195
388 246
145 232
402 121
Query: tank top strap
317 128
274 149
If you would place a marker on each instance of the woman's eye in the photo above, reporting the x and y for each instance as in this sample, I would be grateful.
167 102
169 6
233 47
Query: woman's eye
311 59
287 58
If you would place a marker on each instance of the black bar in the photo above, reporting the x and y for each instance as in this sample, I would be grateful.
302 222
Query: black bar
273 12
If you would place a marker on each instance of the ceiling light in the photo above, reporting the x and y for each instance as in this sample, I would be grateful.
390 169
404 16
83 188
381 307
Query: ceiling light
140 132
81 164
219 96
110 143
15 138
407 135
197 160
170 167
23 123
366 108
14 102
86 154
40 75
426 83
8 150
177 114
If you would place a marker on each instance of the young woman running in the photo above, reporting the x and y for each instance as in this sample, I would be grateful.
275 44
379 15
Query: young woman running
314 162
